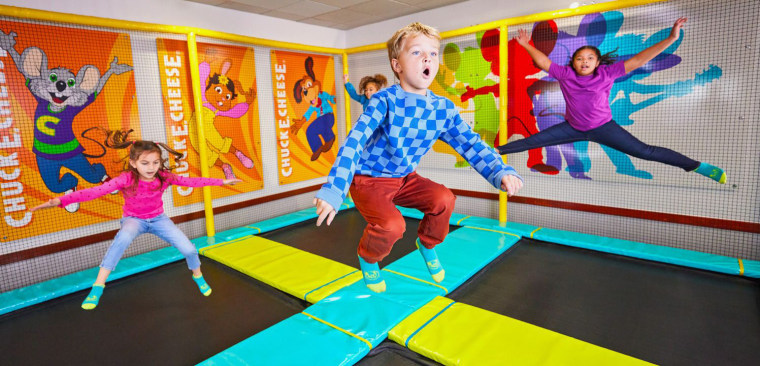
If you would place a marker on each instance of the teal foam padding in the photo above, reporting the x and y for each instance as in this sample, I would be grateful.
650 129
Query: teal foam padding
512 227
369 315
657 253
412 213
298 340
464 252
751 268
57 287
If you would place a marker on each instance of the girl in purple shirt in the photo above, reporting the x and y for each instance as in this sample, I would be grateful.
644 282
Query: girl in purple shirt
586 85
143 182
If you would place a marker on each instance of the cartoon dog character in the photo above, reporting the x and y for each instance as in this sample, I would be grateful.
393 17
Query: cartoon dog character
319 134
219 100
60 96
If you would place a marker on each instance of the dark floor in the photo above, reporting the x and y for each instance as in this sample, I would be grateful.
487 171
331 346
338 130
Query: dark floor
158 317
660 313
340 240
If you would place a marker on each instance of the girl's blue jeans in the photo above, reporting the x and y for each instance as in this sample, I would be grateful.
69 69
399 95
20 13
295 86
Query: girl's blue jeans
160 226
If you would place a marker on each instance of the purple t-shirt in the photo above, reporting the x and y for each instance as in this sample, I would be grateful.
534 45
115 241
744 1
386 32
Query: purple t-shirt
587 97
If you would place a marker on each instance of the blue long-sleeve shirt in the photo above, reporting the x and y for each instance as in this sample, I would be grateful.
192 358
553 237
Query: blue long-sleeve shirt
322 107
393 134
361 98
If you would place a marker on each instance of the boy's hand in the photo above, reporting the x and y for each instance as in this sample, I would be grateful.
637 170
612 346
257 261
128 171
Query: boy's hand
51 203
324 210
511 184
345 78
230 182
523 38
676 31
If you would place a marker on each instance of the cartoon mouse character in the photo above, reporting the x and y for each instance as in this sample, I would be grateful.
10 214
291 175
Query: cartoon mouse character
319 134
60 96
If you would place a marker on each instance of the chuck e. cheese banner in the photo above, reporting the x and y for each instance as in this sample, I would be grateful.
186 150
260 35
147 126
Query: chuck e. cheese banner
230 116
304 102
61 88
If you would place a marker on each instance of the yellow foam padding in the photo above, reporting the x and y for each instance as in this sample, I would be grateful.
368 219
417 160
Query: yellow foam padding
299 273
466 335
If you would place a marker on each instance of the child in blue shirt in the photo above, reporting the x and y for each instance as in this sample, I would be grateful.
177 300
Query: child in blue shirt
377 162
368 86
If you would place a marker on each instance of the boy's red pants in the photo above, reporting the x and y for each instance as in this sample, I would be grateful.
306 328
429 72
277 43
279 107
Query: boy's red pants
376 198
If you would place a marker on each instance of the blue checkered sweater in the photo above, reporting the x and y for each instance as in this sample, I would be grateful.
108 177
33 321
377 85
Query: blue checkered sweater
393 134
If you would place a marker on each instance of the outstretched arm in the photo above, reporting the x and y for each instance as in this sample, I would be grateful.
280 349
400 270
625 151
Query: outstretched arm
539 58
8 43
644 56
115 69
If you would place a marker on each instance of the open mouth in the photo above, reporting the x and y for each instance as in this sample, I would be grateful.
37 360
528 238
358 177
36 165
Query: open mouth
426 72
220 103
58 99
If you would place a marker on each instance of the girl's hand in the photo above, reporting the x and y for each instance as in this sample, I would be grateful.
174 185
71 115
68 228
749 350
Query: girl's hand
676 31
230 182
523 39
511 184
51 203
345 78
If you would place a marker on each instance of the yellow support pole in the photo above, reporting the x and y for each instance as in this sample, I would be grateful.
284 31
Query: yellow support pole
503 133
192 52
547 15
56 17
346 96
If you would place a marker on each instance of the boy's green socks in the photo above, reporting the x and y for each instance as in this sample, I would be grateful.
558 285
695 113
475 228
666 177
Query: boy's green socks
93 297
372 277
202 285
712 172
432 262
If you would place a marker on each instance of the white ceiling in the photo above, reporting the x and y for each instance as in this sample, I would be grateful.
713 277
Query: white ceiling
339 14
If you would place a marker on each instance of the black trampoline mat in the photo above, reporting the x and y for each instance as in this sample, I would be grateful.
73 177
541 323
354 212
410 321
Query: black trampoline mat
340 240
391 353
157 317
660 313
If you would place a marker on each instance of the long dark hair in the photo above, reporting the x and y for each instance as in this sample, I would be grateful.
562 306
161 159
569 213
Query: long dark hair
605 59
119 139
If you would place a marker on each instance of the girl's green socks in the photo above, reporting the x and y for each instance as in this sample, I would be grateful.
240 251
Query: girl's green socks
202 285
712 172
93 297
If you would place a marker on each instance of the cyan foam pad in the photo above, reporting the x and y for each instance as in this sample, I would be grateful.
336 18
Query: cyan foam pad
57 287
464 252
751 268
303 340
657 253
298 340
370 315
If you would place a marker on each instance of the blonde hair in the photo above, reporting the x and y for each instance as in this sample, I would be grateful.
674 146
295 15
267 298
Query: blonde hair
397 41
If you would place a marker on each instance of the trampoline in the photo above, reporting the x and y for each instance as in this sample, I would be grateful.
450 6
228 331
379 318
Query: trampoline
155 317
287 292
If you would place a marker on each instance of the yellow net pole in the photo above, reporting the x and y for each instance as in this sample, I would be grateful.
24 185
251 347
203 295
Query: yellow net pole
547 15
503 133
192 51
346 97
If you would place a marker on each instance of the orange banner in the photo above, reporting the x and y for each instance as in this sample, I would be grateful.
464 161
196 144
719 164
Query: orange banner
58 84
230 116
304 95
